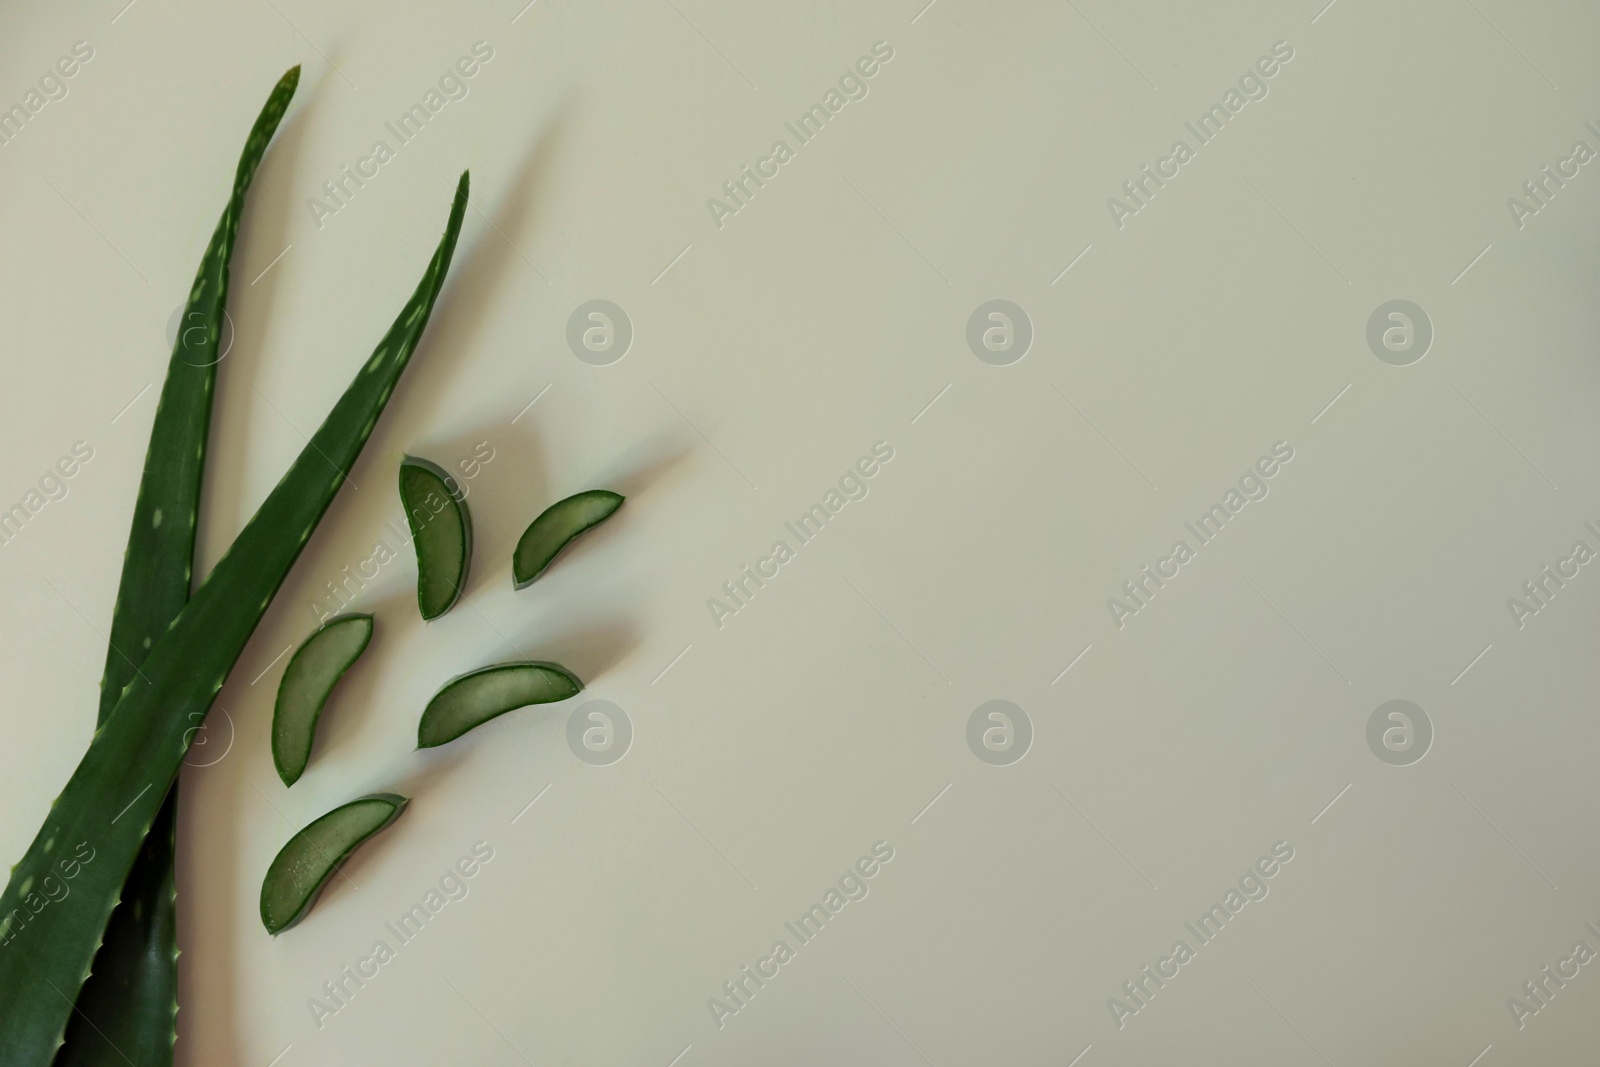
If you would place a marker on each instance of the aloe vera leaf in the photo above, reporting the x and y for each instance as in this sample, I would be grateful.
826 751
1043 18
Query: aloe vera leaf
478 696
157 565
112 798
302 867
441 530
556 528
308 681
127 1006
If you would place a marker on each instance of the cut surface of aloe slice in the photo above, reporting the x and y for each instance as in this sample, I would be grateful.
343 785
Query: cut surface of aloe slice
473 699
304 865
441 531
555 529
313 671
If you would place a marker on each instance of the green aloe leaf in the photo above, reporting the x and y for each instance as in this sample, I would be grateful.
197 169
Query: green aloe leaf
112 799
127 1007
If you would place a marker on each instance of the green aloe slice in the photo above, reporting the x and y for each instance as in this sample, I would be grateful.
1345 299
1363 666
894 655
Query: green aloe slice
313 671
302 867
555 529
127 1007
475 698
112 799
441 530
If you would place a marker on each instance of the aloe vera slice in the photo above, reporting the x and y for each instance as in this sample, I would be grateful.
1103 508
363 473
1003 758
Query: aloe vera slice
474 698
555 529
313 671
127 1006
441 530
112 798
302 867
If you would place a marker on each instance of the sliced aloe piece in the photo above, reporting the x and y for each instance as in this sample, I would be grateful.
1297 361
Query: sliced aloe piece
441 530
475 698
555 529
303 866
113 796
126 1007
313 671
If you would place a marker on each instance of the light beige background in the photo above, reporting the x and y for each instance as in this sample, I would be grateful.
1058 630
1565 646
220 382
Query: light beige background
827 714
